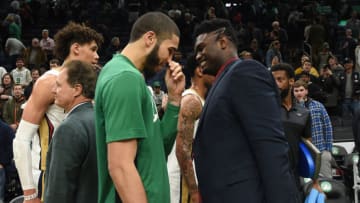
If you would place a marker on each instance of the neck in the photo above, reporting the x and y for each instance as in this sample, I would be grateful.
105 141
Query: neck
198 87
287 102
80 99
136 57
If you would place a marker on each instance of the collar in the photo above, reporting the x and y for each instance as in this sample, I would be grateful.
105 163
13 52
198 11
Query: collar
76 106
222 68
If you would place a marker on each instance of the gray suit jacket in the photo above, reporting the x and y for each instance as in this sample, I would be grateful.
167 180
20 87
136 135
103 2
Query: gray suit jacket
71 174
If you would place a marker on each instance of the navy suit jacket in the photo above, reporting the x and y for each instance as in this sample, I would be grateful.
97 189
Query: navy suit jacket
240 151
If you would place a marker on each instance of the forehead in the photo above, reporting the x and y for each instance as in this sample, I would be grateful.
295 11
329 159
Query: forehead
201 38
279 73
299 88
90 44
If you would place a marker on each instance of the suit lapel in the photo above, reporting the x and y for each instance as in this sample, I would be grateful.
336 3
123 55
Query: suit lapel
213 88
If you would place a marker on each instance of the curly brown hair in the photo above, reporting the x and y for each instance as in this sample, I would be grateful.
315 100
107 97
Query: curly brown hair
74 33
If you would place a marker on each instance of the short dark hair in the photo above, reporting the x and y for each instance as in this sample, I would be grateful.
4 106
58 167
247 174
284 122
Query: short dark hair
208 26
191 65
54 60
284 67
17 84
35 69
20 59
157 22
82 73
74 33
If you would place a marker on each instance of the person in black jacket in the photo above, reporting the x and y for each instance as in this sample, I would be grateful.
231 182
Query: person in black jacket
6 154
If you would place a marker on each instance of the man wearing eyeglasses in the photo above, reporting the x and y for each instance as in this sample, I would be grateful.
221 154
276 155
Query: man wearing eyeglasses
240 151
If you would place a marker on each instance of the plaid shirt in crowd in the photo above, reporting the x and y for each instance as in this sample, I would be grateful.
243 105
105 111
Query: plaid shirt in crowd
321 128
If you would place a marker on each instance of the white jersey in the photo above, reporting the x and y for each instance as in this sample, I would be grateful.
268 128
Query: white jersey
173 164
52 119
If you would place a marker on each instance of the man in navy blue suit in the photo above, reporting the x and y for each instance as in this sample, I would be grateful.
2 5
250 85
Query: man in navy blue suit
240 151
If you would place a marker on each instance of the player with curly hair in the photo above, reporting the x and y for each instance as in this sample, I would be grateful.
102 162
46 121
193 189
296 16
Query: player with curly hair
41 116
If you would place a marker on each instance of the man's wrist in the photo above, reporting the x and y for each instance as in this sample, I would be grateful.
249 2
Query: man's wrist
174 100
31 196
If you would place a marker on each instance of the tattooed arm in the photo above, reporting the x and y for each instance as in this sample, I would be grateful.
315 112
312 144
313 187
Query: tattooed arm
190 110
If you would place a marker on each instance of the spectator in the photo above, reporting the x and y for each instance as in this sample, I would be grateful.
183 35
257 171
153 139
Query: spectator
34 56
321 128
5 90
245 55
256 51
308 68
14 29
324 54
2 73
112 49
54 63
47 44
6 155
353 23
316 39
35 74
348 45
21 74
274 50
158 96
15 49
329 83
281 32
357 56
349 89
356 129
335 66
12 110
314 89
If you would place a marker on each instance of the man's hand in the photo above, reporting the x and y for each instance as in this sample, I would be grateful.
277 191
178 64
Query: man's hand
175 82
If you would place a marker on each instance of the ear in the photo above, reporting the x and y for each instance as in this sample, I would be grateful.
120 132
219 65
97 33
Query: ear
150 38
199 71
78 90
223 42
75 49
291 81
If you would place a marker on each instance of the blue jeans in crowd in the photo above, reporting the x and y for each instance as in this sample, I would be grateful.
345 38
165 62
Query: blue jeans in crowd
349 106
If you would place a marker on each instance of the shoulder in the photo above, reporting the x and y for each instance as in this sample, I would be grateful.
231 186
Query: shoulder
249 70
248 66
190 106
45 80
